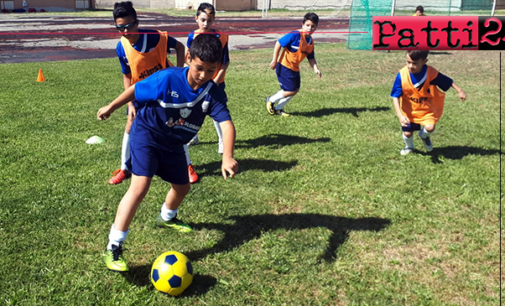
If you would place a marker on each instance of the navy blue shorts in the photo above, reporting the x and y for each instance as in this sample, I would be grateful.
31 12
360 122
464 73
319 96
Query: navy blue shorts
149 160
411 127
288 79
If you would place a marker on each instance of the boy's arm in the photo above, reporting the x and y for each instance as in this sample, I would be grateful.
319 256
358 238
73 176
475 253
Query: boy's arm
404 121
229 165
461 92
127 82
127 96
277 49
314 66
180 50
220 73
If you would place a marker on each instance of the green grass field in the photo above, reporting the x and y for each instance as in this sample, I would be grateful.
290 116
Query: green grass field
324 210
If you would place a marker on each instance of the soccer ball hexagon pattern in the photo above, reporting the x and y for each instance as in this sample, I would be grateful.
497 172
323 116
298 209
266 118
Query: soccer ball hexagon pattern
172 273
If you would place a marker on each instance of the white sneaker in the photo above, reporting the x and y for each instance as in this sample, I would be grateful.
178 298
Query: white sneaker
220 149
406 151
194 141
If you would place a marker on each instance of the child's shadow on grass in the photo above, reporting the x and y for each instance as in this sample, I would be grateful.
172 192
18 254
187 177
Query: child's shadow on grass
140 276
346 110
457 152
214 168
251 227
276 141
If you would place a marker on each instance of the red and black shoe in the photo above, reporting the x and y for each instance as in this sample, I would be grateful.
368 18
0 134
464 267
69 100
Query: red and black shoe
119 176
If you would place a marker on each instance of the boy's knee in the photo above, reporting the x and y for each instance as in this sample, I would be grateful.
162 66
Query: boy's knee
429 128
407 134
181 190
291 93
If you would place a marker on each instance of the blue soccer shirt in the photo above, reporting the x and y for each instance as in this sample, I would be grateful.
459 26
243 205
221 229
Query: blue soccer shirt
147 41
292 42
172 112
226 53
442 81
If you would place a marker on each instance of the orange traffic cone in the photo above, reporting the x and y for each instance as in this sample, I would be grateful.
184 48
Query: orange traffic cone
40 78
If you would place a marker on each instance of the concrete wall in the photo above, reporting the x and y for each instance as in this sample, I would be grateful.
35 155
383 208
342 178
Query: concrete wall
305 4
235 5
50 5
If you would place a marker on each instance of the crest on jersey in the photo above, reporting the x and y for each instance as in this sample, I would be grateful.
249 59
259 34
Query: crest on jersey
205 106
185 112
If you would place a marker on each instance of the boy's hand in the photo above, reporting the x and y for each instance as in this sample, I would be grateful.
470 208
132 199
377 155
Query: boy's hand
132 112
273 64
229 165
318 73
462 95
404 121
104 113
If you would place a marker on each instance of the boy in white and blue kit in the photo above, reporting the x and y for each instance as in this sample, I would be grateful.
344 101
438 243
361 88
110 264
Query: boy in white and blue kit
175 103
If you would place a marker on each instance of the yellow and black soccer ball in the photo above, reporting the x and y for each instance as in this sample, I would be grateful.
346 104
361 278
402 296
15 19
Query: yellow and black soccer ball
172 273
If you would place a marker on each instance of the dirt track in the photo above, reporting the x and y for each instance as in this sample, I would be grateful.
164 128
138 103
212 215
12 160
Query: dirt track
38 38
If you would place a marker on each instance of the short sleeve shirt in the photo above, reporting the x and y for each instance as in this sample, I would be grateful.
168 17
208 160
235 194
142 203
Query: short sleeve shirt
146 42
442 81
172 111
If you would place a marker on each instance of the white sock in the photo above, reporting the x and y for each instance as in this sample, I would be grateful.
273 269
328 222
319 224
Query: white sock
218 130
423 134
116 237
283 102
409 142
279 95
187 154
167 214
125 150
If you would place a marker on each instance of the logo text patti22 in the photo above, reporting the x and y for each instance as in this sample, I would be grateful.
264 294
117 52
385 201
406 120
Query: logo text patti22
438 33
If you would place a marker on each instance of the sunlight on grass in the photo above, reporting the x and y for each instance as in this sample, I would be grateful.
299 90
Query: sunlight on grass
325 211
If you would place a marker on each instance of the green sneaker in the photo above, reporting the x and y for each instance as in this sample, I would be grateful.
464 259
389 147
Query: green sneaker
282 113
114 260
270 106
174 223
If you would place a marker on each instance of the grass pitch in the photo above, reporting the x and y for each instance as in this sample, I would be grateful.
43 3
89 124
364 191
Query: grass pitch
324 211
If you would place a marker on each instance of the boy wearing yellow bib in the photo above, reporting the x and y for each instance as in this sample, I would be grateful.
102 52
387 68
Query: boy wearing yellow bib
296 46
417 98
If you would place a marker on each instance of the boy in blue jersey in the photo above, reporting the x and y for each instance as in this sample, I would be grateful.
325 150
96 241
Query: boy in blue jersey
418 98
205 17
296 46
174 104
141 52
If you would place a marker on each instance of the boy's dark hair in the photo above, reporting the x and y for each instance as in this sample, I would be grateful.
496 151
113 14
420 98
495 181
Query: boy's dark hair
418 54
124 9
420 8
207 47
206 8
312 17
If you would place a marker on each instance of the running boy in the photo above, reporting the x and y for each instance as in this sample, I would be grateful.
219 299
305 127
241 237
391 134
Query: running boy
297 46
174 103
417 99
141 52
205 16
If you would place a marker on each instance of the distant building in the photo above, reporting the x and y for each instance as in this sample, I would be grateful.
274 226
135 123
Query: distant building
235 5
48 5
